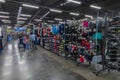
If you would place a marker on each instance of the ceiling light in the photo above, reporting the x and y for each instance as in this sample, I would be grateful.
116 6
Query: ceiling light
3 20
19 12
21 22
62 22
37 20
25 15
22 18
7 21
83 19
96 7
89 16
1 12
54 10
31 6
4 16
76 14
100 18
58 19
9 26
50 21
69 20
73 1
3 1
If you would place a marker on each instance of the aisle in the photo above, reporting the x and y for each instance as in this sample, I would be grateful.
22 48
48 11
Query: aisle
20 65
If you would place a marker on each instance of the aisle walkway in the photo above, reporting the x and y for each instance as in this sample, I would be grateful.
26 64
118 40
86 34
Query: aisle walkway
20 65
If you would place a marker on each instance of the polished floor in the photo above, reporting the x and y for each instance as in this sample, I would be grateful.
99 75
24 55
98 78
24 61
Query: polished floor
18 64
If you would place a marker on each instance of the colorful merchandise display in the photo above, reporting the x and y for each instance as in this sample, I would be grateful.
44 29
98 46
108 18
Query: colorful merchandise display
79 41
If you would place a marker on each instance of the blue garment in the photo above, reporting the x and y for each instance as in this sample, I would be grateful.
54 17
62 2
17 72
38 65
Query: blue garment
33 37
82 50
27 46
55 30
61 29
97 35
69 48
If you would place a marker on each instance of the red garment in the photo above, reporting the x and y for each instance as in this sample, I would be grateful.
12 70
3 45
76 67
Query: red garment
48 29
88 46
81 59
74 47
83 42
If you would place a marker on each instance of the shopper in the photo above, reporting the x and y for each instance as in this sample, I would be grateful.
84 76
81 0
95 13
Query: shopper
33 38
24 41
20 40
27 42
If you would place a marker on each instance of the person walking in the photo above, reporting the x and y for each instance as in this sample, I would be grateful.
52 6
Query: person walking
33 38
24 41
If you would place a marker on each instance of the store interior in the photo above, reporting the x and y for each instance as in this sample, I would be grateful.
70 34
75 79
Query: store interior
86 32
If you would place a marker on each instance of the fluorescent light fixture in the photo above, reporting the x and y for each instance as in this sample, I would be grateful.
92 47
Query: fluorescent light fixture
9 26
100 18
73 1
61 22
21 22
55 10
83 19
25 15
7 21
50 21
58 19
37 20
1 16
1 12
3 1
3 20
96 7
22 18
31 6
75 14
89 16
69 20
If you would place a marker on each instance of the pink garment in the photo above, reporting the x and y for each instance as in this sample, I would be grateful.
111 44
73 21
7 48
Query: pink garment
85 24
25 40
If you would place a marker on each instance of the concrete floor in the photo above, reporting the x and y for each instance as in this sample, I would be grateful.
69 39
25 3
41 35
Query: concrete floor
17 64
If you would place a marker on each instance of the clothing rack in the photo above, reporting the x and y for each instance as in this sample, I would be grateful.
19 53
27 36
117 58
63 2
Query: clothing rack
111 58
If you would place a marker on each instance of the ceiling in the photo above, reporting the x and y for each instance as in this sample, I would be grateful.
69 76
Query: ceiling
12 6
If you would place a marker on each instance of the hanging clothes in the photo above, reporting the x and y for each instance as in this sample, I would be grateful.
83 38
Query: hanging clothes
55 30
82 59
85 24
61 29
